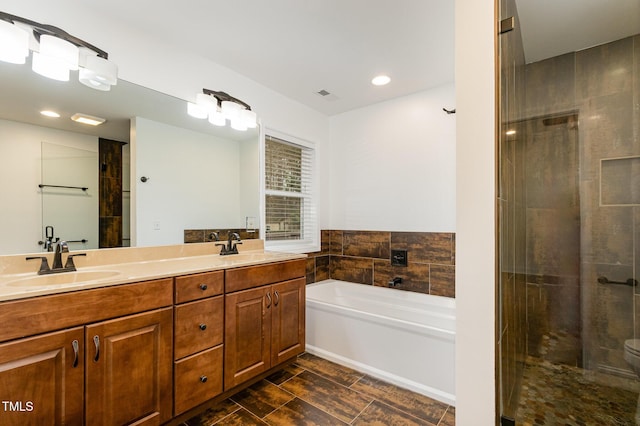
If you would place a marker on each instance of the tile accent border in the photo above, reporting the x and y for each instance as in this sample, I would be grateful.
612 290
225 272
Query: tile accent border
365 257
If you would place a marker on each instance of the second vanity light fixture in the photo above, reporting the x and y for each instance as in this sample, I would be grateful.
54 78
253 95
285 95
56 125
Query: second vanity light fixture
219 107
57 54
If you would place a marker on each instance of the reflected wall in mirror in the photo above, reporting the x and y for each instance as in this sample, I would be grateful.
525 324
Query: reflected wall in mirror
200 176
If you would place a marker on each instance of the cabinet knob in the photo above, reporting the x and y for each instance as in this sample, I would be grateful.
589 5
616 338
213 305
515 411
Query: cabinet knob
203 287
203 327
203 379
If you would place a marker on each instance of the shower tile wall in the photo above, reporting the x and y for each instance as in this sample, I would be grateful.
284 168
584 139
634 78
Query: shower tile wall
364 257
605 77
591 93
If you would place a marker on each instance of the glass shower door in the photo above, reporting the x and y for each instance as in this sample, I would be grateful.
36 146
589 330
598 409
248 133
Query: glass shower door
569 233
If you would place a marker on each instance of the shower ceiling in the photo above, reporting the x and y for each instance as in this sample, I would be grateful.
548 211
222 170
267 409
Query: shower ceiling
549 26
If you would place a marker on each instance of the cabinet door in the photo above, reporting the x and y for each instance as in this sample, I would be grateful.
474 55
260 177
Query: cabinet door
247 331
287 320
42 379
129 370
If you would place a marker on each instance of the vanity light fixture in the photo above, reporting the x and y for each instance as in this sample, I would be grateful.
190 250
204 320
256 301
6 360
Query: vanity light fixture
380 80
49 113
87 119
220 107
57 54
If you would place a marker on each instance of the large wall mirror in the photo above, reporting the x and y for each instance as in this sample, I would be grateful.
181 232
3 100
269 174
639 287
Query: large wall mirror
170 172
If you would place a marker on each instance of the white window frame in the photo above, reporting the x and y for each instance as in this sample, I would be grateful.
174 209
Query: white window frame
309 243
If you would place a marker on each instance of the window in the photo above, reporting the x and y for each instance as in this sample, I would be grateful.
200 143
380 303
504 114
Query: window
290 213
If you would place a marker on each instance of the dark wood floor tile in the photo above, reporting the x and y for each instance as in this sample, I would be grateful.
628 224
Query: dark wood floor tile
214 414
415 404
379 414
336 372
335 399
298 412
262 398
449 419
285 374
241 418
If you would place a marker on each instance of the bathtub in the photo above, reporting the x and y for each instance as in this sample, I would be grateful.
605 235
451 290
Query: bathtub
401 337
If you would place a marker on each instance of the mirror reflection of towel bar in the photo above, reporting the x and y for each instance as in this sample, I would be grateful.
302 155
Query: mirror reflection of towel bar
84 188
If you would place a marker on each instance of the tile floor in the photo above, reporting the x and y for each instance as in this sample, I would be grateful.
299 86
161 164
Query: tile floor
556 394
314 391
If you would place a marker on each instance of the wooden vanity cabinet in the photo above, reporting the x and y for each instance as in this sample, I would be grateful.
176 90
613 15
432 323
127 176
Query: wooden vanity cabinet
264 318
121 372
198 341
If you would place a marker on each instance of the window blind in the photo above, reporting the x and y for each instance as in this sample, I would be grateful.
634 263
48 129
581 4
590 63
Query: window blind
289 205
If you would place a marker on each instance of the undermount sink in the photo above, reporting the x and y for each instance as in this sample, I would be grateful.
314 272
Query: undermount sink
62 278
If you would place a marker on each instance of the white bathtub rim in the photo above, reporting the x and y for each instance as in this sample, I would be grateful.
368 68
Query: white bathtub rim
442 301
402 382
396 323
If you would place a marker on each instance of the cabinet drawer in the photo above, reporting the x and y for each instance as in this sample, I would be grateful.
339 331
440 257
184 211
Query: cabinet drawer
198 378
254 276
199 286
198 325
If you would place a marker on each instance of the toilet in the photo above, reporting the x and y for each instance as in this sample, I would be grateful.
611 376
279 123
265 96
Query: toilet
632 354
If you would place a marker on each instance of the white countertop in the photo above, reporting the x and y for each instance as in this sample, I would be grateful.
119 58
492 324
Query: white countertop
94 272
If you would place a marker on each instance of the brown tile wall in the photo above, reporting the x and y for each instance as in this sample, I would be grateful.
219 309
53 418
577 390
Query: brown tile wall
203 235
365 257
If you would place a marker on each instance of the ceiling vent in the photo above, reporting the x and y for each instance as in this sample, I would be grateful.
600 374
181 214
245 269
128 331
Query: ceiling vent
325 94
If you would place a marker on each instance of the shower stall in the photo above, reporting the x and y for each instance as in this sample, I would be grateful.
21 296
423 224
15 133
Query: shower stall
569 232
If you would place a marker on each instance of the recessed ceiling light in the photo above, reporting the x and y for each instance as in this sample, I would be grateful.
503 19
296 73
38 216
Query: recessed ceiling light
510 132
380 80
87 119
48 113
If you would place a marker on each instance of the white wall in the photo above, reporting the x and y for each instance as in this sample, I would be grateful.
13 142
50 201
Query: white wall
392 165
194 182
475 222
21 212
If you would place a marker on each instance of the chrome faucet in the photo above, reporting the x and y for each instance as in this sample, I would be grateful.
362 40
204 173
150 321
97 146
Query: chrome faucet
230 247
69 266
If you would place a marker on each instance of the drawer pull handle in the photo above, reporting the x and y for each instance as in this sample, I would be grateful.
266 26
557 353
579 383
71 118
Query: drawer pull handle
268 300
203 287
275 303
203 379
96 342
203 327
76 351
